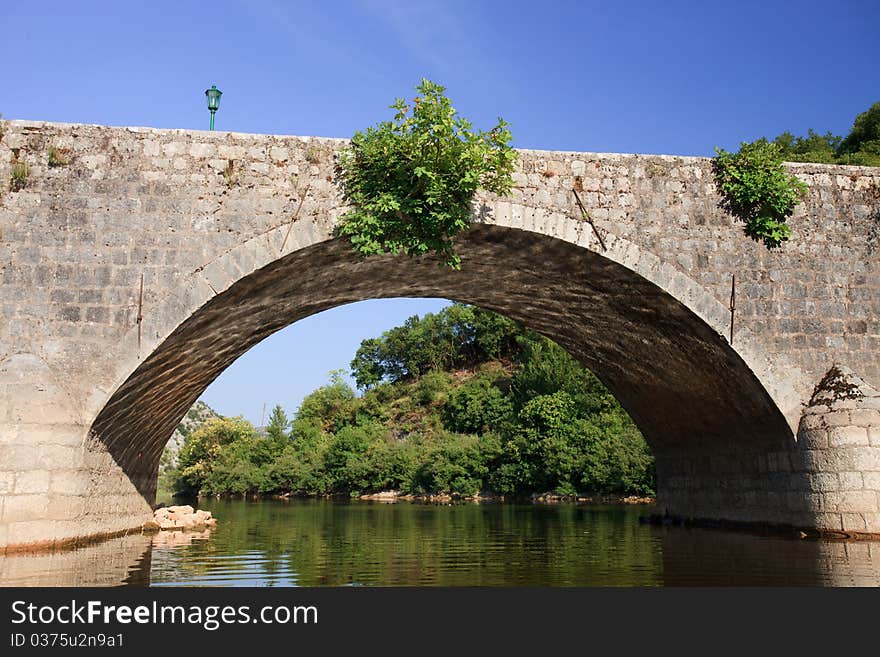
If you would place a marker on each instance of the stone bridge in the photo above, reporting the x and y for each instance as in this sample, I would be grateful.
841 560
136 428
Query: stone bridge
137 264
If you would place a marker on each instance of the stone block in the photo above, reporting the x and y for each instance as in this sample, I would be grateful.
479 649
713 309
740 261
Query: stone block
824 481
32 481
65 507
871 480
844 436
851 480
839 418
70 482
865 417
862 501
53 457
828 520
31 531
18 457
853 522
812 421
872 522
24 507
816 438
864 459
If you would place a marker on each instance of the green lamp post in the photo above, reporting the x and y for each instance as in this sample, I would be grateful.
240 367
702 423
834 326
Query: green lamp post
213 95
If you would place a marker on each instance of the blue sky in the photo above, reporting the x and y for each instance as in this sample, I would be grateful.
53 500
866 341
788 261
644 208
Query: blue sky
650 77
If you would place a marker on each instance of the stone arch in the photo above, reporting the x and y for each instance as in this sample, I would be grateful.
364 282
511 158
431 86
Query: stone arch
649 332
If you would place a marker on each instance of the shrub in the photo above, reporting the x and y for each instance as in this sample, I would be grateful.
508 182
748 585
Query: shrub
755 188
456 464
432 387
477 407
18 179
411 180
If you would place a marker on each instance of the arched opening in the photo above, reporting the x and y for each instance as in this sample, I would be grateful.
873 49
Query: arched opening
679 379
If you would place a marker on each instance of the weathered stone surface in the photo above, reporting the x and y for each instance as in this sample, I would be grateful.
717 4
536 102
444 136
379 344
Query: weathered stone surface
226 261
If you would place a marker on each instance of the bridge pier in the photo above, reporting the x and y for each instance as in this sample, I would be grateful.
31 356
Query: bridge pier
829 479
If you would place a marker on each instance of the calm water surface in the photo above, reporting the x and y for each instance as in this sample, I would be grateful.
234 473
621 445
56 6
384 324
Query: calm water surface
322 543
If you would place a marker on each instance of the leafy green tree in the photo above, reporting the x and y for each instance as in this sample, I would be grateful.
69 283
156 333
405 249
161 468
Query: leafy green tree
546 368
433 387
617 462
458 336
457 464
347 460
300 466
477 407
202 447
411 180
812 148
279 426
332 406
862 144
242 466
755 188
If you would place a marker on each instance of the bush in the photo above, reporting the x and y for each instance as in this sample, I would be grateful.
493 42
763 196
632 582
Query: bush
332 406
458 336
203 447
477 407
755 188
617 460
456 464
411 181
432 388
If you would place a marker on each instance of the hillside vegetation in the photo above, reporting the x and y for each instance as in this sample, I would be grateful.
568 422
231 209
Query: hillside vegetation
861 146
459 402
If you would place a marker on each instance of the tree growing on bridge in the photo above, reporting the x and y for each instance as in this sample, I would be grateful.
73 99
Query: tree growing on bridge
411 180
755 187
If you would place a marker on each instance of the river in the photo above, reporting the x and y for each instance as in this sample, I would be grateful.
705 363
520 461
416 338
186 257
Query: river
326 543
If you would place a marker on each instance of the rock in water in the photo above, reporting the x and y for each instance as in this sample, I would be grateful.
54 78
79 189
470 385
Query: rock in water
180 517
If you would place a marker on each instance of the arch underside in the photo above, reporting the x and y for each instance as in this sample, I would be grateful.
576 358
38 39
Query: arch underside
681 382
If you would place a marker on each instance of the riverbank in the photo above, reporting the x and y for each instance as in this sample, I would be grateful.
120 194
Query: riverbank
490 498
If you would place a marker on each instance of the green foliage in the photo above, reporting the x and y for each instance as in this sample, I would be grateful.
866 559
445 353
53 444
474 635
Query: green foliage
411 180
812 148
433 387
618 459
862 144
755 188
546 368
203 451
331 406
58 157
19 177
860 147
456 337
278 428
456 464
536 422
477 407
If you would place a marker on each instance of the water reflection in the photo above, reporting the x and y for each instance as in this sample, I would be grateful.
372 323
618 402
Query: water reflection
123 561
709 557
317 543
